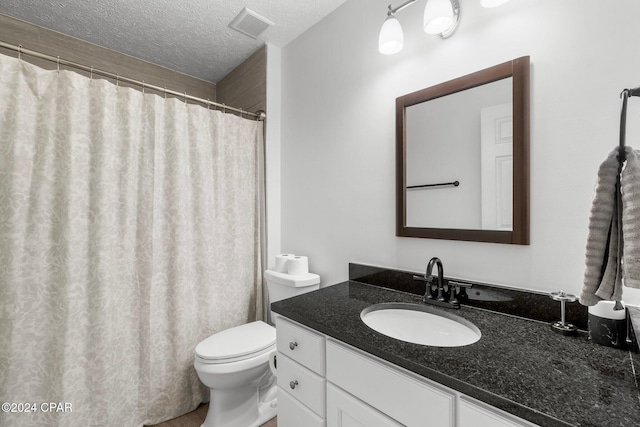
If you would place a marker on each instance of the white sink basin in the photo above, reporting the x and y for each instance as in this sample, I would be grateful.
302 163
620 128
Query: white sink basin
420 324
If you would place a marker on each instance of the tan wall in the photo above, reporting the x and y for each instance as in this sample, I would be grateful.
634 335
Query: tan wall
246 86
36 38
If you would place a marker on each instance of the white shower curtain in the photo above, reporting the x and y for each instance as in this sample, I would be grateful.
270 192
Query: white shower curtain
129 231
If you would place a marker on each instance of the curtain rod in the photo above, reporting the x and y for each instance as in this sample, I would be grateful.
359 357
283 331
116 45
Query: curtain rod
260 115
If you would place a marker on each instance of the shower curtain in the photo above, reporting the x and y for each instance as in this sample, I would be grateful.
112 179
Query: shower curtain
129 231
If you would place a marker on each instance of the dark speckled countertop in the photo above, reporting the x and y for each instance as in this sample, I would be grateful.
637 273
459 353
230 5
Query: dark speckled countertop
519 365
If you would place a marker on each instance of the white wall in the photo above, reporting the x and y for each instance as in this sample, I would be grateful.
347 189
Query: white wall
338 100
273 155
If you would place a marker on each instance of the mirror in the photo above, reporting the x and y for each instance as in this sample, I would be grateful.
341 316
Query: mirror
462 158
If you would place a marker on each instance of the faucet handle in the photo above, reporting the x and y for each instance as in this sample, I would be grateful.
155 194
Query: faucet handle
460 284
455 290
422 278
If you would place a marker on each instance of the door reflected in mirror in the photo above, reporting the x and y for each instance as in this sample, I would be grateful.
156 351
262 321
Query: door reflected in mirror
465 137
463 157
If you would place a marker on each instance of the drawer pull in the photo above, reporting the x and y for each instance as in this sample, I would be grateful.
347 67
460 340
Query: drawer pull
293 345
293 384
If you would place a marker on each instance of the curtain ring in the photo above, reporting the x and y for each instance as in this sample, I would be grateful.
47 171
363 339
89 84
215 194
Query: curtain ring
58 62
224 108
91 73
117 80
165 92
20 53
143 87
208 104
185 97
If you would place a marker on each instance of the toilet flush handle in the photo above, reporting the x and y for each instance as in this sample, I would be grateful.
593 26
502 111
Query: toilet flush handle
293 345
293 384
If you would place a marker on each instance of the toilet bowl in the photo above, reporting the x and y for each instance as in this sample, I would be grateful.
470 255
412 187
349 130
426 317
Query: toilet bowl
234 363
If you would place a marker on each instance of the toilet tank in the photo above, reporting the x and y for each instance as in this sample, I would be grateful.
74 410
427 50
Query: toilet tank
282 285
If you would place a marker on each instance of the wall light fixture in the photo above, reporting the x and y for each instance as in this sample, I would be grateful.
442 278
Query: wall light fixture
391 38
441 18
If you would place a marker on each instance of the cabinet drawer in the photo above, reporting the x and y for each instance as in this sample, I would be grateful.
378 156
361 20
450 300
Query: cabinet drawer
345 410
472 413
301 383
301 344
402 396
292 413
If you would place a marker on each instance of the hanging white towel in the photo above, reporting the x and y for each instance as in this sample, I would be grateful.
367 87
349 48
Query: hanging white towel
603 272
631 219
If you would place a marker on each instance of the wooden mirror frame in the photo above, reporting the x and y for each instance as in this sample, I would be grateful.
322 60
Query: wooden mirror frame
518 69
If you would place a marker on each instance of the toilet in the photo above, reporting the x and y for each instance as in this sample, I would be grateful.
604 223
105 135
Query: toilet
234 363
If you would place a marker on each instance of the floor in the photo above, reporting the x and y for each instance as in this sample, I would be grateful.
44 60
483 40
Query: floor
196 418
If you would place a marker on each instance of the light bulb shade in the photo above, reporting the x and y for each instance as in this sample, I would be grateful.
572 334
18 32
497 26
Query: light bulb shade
492 3
391 38
438 16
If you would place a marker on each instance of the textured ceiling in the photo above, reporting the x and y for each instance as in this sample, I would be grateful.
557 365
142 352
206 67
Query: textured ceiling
190 36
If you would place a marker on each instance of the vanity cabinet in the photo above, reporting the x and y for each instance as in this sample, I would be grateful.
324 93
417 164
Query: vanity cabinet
323 382
301 375
472 413
382 386
345 410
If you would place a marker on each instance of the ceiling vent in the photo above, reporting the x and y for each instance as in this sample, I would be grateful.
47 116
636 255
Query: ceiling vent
250 23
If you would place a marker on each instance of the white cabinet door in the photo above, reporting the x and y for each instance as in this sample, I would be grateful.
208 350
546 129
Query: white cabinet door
399 394
344 410
292 413
301 383
472 413
301 344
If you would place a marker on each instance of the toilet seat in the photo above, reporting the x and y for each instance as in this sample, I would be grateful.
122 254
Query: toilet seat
237 343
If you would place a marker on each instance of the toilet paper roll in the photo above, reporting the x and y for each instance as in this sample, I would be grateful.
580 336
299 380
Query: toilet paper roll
298 265
273 363
282 261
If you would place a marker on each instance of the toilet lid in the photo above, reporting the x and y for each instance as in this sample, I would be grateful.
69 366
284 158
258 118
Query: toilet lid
237 342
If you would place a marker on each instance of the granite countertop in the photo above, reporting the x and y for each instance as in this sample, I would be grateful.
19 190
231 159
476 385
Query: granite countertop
519 365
